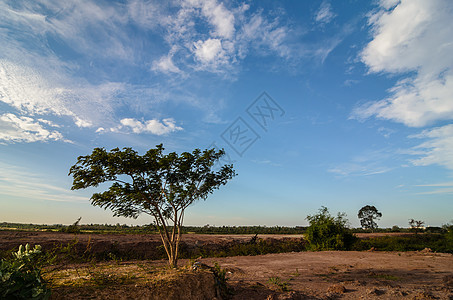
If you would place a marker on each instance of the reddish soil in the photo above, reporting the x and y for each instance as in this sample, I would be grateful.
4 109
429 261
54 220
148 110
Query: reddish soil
340 274
304 275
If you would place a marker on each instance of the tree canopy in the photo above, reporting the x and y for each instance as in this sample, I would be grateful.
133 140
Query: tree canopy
158 184
367 215
327 232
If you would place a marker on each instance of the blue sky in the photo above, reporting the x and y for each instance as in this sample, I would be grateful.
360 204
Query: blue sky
340 104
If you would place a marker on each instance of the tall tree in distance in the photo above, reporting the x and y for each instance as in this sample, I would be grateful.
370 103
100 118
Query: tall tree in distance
367 215
160 185
416 225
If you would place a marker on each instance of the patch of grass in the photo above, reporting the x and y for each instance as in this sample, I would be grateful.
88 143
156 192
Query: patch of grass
101 278
281 285
384 276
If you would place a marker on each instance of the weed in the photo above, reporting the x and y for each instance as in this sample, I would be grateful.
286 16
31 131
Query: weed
282 285
221 281
21 276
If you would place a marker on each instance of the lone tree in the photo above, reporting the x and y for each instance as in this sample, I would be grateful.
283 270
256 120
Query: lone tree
367 215
416 225
158 184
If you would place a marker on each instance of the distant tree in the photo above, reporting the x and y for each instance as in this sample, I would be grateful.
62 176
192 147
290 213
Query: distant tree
327 232
74 228
395 228
158 184
367 215
416 225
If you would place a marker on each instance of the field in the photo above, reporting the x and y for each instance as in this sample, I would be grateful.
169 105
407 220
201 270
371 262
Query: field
296 275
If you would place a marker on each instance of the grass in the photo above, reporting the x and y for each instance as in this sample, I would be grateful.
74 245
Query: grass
384 276
281 285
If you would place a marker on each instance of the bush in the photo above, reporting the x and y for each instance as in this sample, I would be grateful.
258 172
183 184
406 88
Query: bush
329 233
435 241
20 276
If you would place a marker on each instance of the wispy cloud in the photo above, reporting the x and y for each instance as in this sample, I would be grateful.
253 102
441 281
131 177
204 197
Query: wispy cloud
267 162
14 179
324 14
437 149
368 163
437 188
404 36
354 169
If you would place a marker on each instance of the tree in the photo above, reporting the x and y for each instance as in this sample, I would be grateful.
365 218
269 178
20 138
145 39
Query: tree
158 184
367 215
327 232
416 225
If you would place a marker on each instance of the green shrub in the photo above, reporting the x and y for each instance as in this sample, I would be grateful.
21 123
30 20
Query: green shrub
435 241
327 232
20 276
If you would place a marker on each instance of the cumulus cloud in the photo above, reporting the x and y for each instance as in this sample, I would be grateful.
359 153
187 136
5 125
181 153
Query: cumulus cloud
416 37
324 14
209 51
24 129
151 126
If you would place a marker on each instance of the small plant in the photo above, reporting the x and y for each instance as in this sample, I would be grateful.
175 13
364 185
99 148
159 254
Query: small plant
221 281
282 285
20 276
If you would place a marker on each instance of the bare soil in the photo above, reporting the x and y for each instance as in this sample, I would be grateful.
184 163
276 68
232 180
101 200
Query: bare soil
342 274
303 275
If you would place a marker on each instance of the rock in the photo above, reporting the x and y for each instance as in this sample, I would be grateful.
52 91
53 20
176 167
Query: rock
336 289
375 291
427 250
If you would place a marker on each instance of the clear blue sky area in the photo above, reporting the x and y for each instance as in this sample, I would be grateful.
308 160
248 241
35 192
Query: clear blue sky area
318 103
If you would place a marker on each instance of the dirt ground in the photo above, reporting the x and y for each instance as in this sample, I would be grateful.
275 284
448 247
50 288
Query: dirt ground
342 274
303 275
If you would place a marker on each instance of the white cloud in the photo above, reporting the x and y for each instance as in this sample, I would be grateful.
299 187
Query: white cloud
24 129
151 126
438 149
30 92
437 188
413 36
324 15
210 51
14 179
216 37
218 16
165 65
49 123
371 162
354 169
